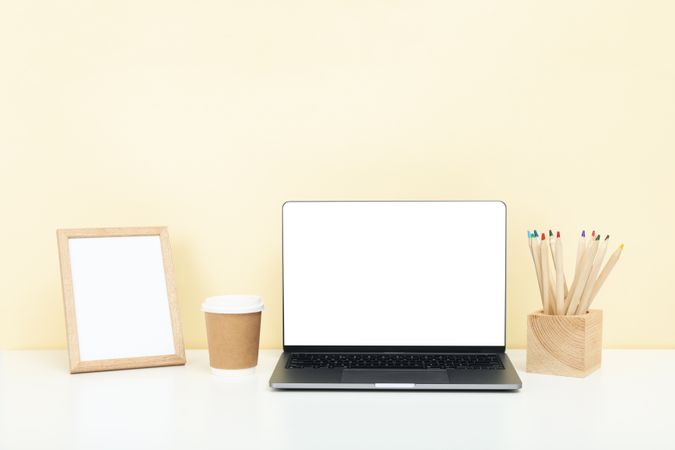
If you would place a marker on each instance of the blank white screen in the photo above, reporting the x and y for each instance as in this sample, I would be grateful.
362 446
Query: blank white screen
121 299
394 273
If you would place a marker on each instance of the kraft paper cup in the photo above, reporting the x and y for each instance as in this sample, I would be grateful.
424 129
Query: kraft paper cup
233 333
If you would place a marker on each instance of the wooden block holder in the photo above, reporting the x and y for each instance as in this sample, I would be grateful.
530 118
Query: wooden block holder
564 345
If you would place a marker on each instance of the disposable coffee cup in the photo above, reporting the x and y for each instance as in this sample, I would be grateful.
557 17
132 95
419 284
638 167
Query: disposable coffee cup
233 333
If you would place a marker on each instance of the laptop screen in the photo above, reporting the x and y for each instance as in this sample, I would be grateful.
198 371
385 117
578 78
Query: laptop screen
394 273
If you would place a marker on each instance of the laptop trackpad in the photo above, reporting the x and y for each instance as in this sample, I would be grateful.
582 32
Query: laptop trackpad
394 376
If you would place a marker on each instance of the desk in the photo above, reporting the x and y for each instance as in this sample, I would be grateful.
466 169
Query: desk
628 404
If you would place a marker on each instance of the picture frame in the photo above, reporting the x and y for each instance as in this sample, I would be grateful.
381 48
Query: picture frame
119 298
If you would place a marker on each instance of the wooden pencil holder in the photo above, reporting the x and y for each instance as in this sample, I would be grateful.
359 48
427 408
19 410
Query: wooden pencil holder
564 345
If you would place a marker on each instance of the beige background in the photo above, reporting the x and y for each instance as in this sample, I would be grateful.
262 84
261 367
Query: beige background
206 115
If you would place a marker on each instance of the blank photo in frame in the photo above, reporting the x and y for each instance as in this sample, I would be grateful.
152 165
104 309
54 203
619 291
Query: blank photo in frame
119 298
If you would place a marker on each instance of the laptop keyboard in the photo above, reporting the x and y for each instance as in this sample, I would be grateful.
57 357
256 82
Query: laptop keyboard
482 361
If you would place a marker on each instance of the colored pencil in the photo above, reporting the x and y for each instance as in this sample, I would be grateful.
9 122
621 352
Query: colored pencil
611 262
551 269
581 248
580 281
560 283
545 275
595 270
536 257
553 245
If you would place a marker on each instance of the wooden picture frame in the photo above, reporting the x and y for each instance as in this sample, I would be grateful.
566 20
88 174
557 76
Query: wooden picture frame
119 313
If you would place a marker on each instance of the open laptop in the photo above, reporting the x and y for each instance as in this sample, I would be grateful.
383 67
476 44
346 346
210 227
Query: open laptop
394 295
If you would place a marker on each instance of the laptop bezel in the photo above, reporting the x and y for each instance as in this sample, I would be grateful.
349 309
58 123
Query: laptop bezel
391 348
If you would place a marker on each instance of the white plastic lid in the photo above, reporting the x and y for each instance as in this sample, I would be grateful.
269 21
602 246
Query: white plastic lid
233 304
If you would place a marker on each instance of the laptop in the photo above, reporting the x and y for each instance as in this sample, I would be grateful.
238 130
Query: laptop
394 295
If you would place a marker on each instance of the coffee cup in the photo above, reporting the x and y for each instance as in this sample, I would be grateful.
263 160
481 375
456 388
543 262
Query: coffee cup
233 333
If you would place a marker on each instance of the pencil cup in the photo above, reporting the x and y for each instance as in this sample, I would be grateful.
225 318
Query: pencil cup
564 345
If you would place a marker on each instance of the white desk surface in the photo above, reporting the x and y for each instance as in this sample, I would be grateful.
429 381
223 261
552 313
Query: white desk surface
627 404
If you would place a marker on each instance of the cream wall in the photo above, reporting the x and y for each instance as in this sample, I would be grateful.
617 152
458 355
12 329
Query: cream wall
206 115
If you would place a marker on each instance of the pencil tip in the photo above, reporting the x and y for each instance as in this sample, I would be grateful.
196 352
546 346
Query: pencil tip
550 233
558 235
621 246
597 238
583 233
536 234
543 236
529 235
593 233
607 237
